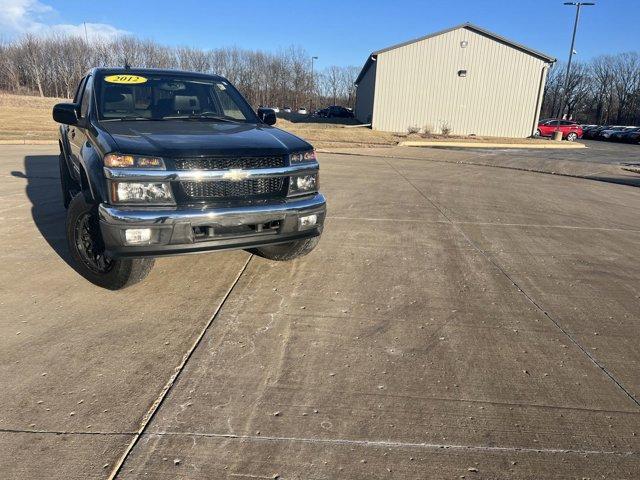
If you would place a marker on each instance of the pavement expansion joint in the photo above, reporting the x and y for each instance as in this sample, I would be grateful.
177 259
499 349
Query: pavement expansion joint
473 401
174 377
487 224
590 176
63 432
392 444
568 335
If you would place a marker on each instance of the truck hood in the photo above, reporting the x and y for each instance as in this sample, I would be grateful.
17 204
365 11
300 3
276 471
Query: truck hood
180 138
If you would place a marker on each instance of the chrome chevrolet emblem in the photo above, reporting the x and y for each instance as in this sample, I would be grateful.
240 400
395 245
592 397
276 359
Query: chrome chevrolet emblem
235 175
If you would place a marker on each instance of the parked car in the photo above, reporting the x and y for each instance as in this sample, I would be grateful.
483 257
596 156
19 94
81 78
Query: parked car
302 111
616 136
571 130
159 162
593 133
335 111
631 135
606 133
587 129
286 109
275 109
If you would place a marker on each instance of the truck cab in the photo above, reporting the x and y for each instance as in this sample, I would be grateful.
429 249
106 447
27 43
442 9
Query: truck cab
161 162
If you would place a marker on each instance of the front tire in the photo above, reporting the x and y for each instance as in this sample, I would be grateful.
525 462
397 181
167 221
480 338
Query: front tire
287 251
572 137
538 133
87 249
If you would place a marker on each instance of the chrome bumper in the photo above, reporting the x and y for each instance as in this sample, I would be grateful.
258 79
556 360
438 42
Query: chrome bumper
173 227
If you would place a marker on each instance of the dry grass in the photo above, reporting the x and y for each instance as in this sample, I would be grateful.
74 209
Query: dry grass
24 117
470 139
326 134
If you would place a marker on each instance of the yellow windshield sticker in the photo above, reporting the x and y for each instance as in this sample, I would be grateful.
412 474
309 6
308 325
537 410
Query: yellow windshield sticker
126 79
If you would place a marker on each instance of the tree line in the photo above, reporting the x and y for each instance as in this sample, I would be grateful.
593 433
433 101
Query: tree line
605 90
52 67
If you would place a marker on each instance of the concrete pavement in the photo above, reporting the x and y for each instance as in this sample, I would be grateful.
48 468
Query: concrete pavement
600 161
455 320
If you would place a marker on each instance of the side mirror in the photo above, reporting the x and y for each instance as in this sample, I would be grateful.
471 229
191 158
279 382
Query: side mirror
267 115
66 113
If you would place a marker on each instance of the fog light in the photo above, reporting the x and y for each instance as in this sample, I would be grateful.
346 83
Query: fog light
307 221
137 235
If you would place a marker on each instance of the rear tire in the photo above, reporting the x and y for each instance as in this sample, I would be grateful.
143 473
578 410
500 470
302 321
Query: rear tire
538 133
87 249
572 137
287 251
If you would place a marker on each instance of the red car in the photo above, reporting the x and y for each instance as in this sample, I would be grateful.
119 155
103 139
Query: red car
570 130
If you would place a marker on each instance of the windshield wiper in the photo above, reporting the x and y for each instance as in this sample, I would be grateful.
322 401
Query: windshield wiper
131 118
202 116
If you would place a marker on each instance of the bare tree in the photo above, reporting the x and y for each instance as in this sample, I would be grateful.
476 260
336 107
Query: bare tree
606 89
626 82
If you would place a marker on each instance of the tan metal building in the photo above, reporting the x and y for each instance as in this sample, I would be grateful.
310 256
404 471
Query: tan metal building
465 78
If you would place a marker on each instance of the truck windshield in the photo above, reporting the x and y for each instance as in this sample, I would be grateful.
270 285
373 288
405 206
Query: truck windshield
145 96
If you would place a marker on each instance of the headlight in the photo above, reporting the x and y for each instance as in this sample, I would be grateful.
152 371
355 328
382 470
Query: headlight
134 192
301 184
117 160
302 157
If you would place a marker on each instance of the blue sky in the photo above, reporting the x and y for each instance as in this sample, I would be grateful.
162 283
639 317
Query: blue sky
338 32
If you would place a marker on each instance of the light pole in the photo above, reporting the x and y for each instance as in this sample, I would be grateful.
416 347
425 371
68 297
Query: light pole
312 85
563 102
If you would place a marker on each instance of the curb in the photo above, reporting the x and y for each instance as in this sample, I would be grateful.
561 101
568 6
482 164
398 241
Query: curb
28 142
568 145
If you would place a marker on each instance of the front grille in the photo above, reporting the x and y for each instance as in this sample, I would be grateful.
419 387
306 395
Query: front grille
223 189
226 163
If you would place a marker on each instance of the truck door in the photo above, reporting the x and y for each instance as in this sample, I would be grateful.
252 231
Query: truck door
77 133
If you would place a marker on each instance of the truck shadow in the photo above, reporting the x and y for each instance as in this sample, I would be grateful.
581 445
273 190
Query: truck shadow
43 191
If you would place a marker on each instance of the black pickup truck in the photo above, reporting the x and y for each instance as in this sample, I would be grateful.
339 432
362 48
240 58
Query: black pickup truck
161 162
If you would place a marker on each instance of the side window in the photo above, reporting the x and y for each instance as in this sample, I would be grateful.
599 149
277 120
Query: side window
86 98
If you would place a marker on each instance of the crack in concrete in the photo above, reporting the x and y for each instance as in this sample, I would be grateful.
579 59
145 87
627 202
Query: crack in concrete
568 335
155 406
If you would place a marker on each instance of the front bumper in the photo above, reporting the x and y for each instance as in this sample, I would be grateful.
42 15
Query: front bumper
180 230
